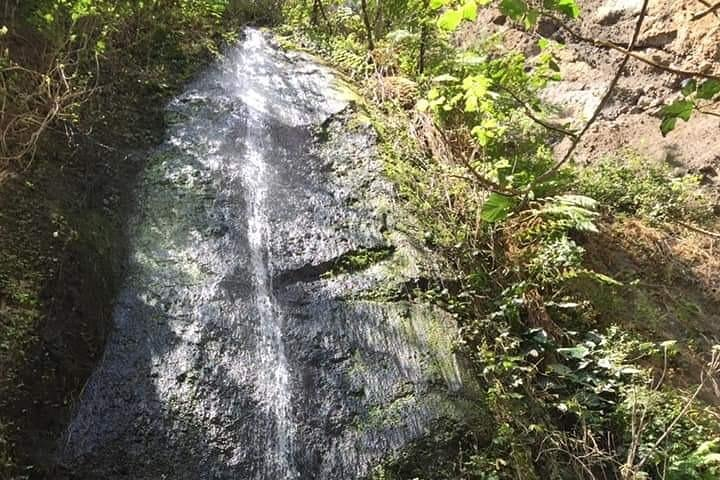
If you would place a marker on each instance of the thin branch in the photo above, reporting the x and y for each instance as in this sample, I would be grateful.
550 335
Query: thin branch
707 12
601 105
483 180
699 230
480 178
628 52
531 115
708 112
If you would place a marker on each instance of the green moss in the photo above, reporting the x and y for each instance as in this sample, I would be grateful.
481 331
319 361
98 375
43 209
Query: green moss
358 260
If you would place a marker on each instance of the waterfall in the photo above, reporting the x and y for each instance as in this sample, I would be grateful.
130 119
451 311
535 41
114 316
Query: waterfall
237 351
273 390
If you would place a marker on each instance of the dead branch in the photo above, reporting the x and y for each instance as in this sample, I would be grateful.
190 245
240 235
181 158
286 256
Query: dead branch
705 13
611 87
531 115
628 52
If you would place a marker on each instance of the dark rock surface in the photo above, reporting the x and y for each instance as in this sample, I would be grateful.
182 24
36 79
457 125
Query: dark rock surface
236 352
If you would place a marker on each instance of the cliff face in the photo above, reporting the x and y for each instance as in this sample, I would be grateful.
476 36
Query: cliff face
254 336
675 33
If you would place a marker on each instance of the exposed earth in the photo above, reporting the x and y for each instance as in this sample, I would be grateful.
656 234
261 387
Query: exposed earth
671 35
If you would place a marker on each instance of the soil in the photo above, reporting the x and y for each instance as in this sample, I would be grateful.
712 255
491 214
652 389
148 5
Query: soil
630 120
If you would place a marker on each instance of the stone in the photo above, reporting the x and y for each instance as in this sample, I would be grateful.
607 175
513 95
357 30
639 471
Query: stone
613 10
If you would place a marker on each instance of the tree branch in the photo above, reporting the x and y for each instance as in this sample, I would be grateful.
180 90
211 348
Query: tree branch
601 105
530 114
629 52
707 12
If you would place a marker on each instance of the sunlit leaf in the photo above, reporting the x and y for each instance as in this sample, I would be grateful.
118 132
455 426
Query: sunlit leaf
680 108
668 125
689 87
450 20
708 89
437 4
514 9
469 10
497 207
566 7
578 352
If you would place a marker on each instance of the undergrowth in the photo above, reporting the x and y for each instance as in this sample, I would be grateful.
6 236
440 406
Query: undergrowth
83 86
467 143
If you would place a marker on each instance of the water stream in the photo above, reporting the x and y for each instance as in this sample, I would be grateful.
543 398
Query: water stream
236 353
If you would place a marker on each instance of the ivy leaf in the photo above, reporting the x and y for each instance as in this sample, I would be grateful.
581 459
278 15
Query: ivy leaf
688 87
670 113
566 7
450 20
514 9
708 89
496 208
578 352
531 18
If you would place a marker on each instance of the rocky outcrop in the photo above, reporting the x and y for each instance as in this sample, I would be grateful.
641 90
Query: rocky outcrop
254 337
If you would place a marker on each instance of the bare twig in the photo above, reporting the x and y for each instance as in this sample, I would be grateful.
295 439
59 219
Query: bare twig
611 87
699 230
704 13
628 52
708 112
531 115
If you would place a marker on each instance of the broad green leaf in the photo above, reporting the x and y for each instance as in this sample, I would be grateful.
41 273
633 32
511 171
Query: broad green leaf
514 9
680 108
437 4
667 125
689 87
531 18
708 89
450 20
566 7
469 10
496 208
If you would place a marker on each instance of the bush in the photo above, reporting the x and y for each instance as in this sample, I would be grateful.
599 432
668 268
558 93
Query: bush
633 185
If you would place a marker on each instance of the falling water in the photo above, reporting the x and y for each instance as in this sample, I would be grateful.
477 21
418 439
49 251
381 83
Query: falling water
273 391
235 353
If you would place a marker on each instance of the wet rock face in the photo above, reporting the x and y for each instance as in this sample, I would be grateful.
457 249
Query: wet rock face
234 353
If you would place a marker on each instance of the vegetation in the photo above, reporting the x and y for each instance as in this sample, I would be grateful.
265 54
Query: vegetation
82 83
574 391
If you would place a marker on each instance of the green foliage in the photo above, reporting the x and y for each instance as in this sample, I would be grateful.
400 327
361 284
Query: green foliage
633 185
695 97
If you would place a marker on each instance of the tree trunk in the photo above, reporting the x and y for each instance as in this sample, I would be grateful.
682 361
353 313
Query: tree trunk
368 25
424 34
